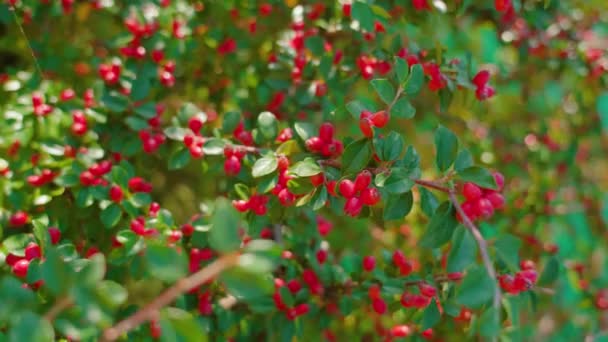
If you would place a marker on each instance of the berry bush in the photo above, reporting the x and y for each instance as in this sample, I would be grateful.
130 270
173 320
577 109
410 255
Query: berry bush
290 170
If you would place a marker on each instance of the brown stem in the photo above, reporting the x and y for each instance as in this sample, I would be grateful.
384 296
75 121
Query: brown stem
483 248
432 185
183 285
60 305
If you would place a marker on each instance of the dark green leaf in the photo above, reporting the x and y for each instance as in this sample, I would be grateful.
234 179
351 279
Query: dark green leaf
305 168
214 146
489 323
415 81
264 166
246 285
550 272
111 215
140 88
31 327
225 222
184 324
464 160
179 158
165 263
463 251
403 109
479 176
146 110
399 181
446 144
364 15
230 121
356 156
114 101
507 248
55 272
390 147
136 123
431 316
402 70
305 130
440 228
476 289
428 201
398 206
384 89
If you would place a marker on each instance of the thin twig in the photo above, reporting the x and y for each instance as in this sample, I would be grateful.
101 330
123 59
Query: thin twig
483 248
432 185
60 305
149 311
12 9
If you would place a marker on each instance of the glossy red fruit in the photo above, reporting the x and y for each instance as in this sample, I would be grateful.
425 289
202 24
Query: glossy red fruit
347 188
481 78
471 191
20 268
398 258
427 290
32 251
500 180
18 219
326 132
232 166
116 194
369 263
497 200
379 306
363 180
484 208
353 206
321 256
374 291
317 179
370 196
380 119
366 127
401 331
55 234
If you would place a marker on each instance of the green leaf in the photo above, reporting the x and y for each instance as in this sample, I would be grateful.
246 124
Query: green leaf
165 263
55 272
384 89
479 176
402 70
428 201
305 130
146 110
188 110
397 207
602 110
507 247
550 272
41 233
268 125
114 101
356 107
476 289
111 293
179 158
356 156
463 251
415 81
183 324
176 133
136 123
364 15
315 44
390 147
214 146
288 148
111 215
431 316
264 166
440 228
93 270
319 198
31 327
225 222
403 109
464 160
446 144
489 323
400 181
140 88
300 186
246 285
305 168
14 298
230 120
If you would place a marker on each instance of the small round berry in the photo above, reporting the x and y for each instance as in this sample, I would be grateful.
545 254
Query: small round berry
116 194
484 208
232 166
380 119
317 179
365 125
55 234
347 188
471 191
321 256
187 229
369 263
326 132
427 290
353 206
379 306
32 251
497 200
363 180
370 196
20 268
500 180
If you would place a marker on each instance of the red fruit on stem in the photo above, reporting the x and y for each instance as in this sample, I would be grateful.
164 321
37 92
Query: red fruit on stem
369 263
380 119
471 191
347 188
363 180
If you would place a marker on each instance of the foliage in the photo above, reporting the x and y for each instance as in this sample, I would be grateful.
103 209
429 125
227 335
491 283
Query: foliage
365 170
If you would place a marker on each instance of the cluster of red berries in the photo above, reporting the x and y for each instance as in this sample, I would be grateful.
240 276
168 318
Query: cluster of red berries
255 203
40 108
46 176
20 264
378 304
228 45
286 197
93 175
358 193
325 143
138 184
79 123
110 73
367 120
151 141
197 256
480 202
421 300
522 280
294 287
405 266
312 281
242 135
138 226
234 156
194 142
438 79
483 90
368 66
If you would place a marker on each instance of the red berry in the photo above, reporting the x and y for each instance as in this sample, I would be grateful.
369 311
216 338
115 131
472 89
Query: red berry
314 144
380 119
347 188
363 180
369 263
528 265
20 268
116 194
427 290
500 180
55 234
366 127
294 286
18 219
195 124
321 256
326 132
398 258
401 331
331 187
471 191
232 166
353 206
317 179
32 251
187 229
379 306
484 208
370 196
374 291
497 200
481 78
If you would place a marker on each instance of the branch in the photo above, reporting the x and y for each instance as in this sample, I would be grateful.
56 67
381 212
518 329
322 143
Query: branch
183 285
60 305
483 248
432 185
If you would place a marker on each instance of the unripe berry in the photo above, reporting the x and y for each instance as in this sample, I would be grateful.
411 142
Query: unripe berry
369 263
347 188
363 180
380 119
471 191
116 194
370 196
326 132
